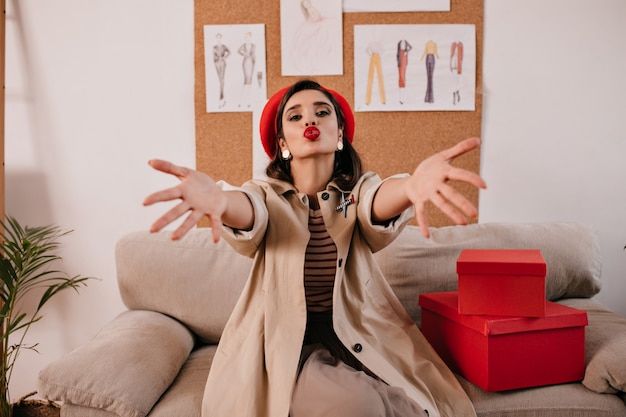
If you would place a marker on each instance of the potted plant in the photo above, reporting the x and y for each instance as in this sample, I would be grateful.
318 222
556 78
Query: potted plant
26 258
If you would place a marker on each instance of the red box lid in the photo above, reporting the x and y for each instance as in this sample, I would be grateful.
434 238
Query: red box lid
501 261
557 316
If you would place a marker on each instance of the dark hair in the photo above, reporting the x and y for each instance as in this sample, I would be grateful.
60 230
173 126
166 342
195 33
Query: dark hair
348 168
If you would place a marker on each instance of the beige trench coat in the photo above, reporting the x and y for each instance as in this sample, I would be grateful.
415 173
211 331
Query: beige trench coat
254 370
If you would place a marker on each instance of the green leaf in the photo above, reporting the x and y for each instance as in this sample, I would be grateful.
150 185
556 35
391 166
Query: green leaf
26 257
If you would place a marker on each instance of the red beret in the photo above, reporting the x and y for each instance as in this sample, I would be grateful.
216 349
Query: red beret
267 124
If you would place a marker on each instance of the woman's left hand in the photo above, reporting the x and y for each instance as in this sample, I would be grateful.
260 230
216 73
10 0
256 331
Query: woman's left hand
429 182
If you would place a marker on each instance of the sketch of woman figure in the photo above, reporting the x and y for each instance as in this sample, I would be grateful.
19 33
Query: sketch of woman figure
247 51
430 52
313 40
456 66
402 58
220 53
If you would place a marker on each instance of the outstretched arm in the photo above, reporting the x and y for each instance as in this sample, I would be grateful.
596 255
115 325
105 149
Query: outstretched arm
429 183
200 196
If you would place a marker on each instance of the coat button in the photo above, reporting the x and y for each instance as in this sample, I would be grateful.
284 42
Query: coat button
325 196
357 348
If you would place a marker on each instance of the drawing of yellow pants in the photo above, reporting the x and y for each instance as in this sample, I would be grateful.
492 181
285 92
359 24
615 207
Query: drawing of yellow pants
375 66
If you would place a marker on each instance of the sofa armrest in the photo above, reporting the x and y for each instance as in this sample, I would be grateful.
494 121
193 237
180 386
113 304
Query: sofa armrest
124 369
605 347
193 279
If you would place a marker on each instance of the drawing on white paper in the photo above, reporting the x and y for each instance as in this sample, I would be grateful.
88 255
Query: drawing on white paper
247 51
431 55
456 66
375 50
413 71
220 53
234 58
350 6
402 59
311 37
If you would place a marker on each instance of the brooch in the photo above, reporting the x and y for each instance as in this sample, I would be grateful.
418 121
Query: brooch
344 204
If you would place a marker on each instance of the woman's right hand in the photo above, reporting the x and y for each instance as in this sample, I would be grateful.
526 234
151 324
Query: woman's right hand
199 196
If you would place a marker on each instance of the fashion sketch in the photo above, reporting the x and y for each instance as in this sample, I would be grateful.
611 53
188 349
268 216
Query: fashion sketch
456 66
375 50
235 67
220 53
430 53
426 67
402 59
312 37
247 50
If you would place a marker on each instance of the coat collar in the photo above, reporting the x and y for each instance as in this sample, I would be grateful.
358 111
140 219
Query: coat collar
281 187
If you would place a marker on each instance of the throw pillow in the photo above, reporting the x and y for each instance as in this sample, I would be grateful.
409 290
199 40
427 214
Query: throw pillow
124 369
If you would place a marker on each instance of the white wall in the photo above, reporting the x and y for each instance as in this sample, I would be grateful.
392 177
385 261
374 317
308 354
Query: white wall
96 88
554 112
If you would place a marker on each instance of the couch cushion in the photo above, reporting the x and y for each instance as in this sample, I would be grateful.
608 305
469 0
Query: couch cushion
184 397
124 369
415 265
564 400
192 279
71 410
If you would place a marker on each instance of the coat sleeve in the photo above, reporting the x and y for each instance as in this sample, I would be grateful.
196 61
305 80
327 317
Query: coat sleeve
378 236
247 242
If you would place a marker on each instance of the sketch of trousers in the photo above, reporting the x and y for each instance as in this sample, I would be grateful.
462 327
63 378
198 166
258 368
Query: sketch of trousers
430 69
375 66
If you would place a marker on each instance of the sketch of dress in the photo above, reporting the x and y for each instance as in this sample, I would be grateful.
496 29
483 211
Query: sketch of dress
402 58
456 66
313 42
374 50
220 53
430 52
247 51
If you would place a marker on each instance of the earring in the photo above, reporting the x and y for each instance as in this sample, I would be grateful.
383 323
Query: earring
285 154
340 145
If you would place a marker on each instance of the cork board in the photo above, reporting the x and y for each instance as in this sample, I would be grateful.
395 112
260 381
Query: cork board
400 139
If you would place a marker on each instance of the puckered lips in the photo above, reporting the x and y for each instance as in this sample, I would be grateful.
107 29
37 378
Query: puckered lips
311 133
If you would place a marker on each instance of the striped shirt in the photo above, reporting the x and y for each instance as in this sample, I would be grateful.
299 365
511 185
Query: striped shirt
319 266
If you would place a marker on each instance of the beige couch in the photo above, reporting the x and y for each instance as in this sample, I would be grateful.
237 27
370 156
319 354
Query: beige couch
153 359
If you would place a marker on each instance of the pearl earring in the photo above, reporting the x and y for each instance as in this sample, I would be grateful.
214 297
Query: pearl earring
285 154
340 145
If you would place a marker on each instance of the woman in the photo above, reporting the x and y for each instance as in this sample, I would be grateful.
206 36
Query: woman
220 53
317 330
248 51
456 66
402 59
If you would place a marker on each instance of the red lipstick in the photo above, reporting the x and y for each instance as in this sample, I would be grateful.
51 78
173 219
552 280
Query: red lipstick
311 133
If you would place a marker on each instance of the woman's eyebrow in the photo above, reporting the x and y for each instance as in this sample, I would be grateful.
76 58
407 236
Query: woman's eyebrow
316 104
295 106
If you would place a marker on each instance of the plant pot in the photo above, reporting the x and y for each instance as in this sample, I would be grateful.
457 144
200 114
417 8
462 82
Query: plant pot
35 408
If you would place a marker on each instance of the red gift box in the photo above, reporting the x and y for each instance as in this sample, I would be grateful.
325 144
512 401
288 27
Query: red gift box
500 353
503 282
